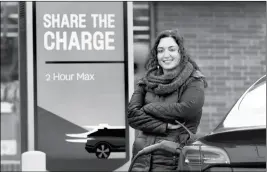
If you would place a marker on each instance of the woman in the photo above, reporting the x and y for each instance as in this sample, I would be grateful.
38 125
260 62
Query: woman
172 89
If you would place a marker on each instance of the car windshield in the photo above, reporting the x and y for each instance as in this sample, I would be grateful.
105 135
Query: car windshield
250 111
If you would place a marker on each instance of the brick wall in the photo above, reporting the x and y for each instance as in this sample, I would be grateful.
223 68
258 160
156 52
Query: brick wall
227 40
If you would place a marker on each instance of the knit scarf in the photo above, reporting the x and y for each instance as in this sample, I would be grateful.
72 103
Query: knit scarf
165 83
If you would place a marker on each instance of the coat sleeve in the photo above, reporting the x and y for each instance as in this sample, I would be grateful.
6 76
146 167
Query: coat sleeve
191 102
140 120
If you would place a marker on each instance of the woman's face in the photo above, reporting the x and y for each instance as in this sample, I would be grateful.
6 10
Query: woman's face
168 53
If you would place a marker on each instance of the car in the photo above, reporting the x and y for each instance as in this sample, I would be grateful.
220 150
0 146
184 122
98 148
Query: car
238 143
104 141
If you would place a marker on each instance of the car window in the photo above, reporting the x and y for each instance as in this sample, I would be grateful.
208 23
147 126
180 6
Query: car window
250 111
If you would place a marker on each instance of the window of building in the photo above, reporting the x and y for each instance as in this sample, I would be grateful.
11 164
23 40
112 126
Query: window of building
10 104
141 36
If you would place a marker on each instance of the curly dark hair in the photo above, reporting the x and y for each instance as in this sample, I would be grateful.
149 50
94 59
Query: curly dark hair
152 61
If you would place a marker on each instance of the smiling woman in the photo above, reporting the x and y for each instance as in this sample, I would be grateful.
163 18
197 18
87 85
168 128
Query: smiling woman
168 54
171 90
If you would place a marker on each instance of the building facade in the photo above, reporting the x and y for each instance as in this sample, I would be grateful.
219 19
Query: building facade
226 39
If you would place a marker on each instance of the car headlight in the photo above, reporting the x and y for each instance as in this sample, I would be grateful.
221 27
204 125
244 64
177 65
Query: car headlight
198 157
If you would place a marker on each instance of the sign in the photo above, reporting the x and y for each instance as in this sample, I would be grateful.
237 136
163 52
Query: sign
81 77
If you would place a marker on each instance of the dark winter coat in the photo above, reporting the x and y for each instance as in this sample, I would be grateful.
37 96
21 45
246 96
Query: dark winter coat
150 113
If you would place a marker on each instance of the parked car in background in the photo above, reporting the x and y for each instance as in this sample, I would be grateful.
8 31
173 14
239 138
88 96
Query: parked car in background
104 141
238 143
